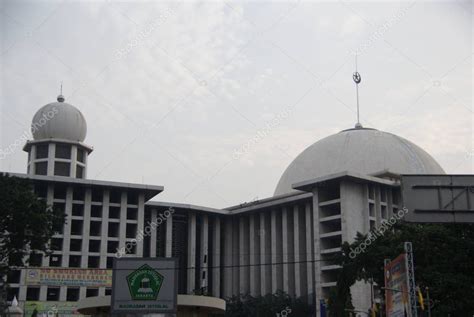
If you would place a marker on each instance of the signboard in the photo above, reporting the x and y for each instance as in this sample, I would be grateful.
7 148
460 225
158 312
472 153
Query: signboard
400 298
438 198
69 277
142 285
396 284
63 309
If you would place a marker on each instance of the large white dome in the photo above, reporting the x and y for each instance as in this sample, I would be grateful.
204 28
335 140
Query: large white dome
359 150
59 120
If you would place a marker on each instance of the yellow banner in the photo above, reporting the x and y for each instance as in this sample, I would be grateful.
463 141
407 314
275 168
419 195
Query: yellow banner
69 277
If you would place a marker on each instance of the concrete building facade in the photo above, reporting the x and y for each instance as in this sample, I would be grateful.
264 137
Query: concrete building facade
341 185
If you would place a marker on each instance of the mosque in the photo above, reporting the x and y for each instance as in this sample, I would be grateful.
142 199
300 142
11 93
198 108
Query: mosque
343 184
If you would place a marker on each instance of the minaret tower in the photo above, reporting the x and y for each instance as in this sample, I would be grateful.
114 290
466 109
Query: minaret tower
57 148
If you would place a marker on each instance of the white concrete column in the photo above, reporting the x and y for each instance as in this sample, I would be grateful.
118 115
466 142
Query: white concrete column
284 236
72 170
105 228
235 258
140 223
153 219
216 258
191 252
169 236
254 248
123 220
67 227
204 252
274 251
309 254
244 255
86 227
228 256
51 154
297 230
316 252
32 159
263 255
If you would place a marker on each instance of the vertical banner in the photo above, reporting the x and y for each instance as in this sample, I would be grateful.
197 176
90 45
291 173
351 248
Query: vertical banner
400 296
396 288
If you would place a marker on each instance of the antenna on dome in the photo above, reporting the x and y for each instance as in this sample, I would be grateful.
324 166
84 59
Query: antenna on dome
356 77
61 97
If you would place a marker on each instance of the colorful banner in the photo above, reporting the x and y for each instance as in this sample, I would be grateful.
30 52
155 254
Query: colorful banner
63 309
396 284
69 277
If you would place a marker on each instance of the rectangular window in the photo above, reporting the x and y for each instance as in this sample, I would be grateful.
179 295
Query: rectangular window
78 210
55 260
97 195
95 228
92 292
41 168
93 262
63 151
12 292
80 155
114 212
131 230
74 261
62 169
132 213
75 245
110 263
132 198
76 227
52 294
113 229
41 151
78 193
96 211
72 294
115 196
60 191
112 246
79 171
32 293
94 245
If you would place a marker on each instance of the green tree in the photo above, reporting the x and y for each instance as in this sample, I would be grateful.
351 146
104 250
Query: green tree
27 224
270 305
444 262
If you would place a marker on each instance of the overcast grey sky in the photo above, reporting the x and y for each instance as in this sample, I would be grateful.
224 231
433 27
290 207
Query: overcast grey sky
213 100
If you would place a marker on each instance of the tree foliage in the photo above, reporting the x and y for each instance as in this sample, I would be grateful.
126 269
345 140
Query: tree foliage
444 262
26 223
270 305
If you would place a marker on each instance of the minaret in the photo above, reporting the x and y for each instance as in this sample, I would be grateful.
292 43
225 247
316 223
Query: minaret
57 148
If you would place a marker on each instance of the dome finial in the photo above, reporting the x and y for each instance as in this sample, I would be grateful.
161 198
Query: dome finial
356 77
61 97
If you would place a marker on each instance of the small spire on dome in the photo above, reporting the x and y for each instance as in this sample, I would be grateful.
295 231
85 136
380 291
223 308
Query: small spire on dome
61 97
357 78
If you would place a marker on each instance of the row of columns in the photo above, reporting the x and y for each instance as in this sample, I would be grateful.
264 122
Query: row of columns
270 251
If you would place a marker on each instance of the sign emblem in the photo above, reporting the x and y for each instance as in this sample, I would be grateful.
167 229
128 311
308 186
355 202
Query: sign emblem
144 283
